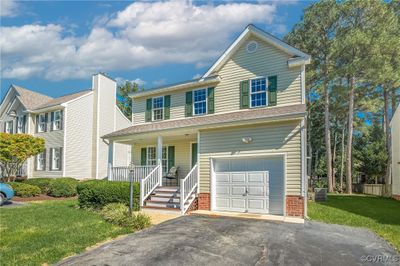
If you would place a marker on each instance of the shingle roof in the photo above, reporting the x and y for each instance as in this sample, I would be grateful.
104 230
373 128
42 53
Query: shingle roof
31 99
62 99
243 115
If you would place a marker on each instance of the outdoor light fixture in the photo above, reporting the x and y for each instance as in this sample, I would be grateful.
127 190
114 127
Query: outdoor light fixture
247 140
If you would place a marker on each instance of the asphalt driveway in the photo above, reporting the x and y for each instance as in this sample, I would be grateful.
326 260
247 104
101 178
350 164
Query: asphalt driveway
200 240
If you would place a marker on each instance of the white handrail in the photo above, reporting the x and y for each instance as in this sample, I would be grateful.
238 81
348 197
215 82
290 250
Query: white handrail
148 184
121 173
188 186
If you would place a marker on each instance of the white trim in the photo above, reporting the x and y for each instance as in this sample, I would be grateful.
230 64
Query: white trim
97 126
78 98
212 173
266 92
159 108
198 162
298 61
199 89
262 35
303 84
304 181
64 159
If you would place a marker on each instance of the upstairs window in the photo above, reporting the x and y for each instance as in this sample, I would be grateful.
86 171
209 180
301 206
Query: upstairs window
200 102
20 124
56 120
41 122
158 108
9 127
258 92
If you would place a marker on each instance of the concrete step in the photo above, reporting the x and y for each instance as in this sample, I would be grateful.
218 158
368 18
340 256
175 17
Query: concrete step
165 193
165 198
150 203
167 189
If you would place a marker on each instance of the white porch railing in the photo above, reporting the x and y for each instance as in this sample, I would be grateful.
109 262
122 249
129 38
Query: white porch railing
121 173
149 183
188 186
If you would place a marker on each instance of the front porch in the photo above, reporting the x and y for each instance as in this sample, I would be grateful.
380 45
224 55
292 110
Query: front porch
165 166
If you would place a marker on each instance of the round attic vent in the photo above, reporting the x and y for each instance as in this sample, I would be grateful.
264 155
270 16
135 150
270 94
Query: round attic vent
252 47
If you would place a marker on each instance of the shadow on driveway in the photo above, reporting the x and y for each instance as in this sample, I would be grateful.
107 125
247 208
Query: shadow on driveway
201 240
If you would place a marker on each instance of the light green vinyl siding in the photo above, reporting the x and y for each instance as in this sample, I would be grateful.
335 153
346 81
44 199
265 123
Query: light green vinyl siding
282 137
266 61
182 155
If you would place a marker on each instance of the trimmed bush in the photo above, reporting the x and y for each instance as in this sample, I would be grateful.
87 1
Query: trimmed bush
24 190
97 193
62 187
43 183
118 214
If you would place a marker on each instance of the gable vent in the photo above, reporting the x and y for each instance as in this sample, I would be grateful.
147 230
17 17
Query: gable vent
252 47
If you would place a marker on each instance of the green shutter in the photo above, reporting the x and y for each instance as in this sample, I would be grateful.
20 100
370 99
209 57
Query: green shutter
244 94
143 156
167 106
171 157
194 154
148 110
189 104
272 88
210 99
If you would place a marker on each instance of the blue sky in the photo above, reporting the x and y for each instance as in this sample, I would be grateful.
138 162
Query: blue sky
54 47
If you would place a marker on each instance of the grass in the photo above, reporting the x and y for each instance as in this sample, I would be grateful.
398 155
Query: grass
46 232
381 215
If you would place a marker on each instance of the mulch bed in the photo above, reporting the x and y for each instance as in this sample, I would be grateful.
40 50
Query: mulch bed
40 197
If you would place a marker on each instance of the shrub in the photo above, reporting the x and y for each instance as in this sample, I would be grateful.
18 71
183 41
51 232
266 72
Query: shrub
43 183
118 213
98 193
24 190
61 187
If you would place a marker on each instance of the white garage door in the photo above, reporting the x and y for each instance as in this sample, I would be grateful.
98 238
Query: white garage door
249 185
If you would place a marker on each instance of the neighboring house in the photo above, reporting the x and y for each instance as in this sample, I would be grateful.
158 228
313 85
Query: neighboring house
237 134
395 131
71 126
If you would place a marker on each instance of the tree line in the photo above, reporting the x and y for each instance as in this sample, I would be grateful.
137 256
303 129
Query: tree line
352 88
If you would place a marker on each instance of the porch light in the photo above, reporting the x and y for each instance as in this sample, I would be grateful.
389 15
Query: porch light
247 140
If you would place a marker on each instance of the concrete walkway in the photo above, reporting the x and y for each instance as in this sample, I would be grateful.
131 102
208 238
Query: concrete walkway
203 240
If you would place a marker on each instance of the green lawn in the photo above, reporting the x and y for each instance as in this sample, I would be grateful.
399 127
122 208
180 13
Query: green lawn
46 232
381 215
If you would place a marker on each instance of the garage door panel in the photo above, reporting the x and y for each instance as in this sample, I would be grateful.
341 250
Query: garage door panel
238 191
257 191
222 190
222 203
257 204
257 177
238 203
238 177
223 178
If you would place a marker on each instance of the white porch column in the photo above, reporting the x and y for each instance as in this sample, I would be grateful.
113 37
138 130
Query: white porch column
110 159
159 157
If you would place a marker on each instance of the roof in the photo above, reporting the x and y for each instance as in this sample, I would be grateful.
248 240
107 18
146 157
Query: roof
251 29
30 99
175 86
215 119
62 99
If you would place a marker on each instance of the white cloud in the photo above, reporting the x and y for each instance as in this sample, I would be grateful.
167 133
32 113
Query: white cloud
138 81
143 34
8 8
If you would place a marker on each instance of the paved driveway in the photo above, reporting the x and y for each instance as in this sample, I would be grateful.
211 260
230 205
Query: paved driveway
200 240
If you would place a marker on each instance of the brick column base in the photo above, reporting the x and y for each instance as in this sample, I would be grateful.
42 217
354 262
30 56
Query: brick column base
204 202
295 206
193 206
396 197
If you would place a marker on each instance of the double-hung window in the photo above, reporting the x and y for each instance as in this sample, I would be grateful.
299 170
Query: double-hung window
56 159
9 127
42 123
20 124
40 161
258 92
152 157
200 102
56 123
158 108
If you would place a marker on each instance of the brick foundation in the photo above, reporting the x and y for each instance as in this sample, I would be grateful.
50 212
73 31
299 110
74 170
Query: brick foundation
396 197
295 206
204 202
193 206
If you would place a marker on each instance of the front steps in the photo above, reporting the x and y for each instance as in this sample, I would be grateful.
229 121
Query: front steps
166 199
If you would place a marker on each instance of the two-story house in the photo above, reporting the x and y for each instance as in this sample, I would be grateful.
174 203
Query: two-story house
71 126
236 134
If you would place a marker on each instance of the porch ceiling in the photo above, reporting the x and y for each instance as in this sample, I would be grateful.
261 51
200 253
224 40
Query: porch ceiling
151 138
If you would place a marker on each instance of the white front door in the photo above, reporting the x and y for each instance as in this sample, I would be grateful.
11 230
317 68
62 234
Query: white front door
246 191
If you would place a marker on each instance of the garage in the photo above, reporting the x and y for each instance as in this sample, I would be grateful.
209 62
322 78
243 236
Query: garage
253 184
